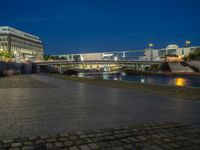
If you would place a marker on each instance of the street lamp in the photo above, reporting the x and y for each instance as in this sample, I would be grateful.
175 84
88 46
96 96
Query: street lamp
151 45
187 43
15 55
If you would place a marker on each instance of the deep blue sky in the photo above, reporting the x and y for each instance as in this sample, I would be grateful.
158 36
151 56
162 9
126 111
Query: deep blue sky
73 26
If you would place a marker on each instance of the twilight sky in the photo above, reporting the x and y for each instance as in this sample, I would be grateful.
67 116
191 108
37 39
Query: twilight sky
73 26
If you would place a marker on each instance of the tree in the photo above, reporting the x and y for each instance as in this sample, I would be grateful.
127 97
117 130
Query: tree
194 55
46 57
6 55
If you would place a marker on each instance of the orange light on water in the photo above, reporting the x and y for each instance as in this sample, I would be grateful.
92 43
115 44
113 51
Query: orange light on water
180 81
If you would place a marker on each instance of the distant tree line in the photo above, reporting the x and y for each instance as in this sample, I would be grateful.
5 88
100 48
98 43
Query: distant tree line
49 57
193 56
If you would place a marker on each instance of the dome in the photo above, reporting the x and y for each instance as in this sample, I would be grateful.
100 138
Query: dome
172 46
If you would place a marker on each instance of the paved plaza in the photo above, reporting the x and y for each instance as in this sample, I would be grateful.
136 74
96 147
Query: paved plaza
38 106
148 136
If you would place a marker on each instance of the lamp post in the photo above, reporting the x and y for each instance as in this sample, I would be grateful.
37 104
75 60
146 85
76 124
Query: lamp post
151 45
187 43
15 56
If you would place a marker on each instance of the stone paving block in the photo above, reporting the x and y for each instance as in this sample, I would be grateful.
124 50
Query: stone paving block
49 145
91 135
51 140
44 137
58 145
16 144
84 147
129 147
68 143
7 141
126 141
79 142
32 138
118 148
40 146
93 146
83 136
88 140
73 137
141 138
152 148
28 143
4 146
133 139
74 148
14 148
103 145
64 135
63 139
27 148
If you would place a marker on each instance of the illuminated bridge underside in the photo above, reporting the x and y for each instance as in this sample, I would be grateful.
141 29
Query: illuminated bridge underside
104 65
125 62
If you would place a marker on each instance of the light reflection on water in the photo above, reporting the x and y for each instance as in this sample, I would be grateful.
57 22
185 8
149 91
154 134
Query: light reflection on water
151 79
180 81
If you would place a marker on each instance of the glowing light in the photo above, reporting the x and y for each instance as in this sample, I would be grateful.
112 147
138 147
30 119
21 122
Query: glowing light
150 44
180 81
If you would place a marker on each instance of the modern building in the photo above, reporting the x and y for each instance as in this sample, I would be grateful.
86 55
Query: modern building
22 46
171 53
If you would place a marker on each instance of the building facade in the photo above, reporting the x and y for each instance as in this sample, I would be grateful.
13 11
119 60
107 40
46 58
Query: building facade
170 53
22 46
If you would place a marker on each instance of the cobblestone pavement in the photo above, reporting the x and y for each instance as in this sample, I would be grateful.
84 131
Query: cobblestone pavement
22 81
149 136
36 105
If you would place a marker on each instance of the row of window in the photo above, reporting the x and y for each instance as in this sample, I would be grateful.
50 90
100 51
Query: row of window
5 43
19 41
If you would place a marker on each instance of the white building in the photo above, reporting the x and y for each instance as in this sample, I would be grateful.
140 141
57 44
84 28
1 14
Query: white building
23 46
172 52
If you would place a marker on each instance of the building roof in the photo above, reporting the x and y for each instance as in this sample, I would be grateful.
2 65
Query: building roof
172 46
13 31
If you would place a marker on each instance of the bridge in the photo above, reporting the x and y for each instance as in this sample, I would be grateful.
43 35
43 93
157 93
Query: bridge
107 61
100 65
121 62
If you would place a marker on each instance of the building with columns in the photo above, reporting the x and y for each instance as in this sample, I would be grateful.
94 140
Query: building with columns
22 46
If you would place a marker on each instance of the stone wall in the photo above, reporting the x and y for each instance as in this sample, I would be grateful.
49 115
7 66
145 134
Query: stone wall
16 68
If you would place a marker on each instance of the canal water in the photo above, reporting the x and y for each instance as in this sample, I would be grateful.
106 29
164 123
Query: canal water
193 81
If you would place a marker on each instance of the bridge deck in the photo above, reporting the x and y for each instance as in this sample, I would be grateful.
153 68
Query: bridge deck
98 62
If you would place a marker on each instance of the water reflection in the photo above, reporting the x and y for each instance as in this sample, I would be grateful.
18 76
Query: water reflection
180 81
151 79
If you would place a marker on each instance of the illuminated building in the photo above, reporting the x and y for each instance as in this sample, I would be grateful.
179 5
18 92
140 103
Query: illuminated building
170 53
22 46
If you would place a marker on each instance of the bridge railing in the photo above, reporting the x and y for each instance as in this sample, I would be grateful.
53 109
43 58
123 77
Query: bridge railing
97 62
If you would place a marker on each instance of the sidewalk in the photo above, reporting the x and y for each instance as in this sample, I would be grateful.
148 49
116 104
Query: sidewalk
149 136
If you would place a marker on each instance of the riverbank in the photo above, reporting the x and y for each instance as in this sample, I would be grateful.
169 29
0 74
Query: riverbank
162 73
12 68
164 90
